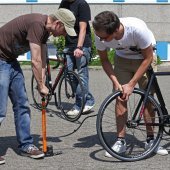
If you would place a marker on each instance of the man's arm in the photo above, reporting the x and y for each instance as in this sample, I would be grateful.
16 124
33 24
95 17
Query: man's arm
38 65
44 56
109 69
82 34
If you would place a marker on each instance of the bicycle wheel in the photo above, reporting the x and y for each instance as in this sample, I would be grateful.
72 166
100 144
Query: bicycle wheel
67 88
36 95
135 128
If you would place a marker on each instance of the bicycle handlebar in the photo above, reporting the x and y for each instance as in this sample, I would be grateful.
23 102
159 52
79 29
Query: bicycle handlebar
61 58
64 53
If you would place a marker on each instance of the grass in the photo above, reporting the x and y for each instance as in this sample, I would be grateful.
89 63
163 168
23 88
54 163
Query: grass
29 63
25 63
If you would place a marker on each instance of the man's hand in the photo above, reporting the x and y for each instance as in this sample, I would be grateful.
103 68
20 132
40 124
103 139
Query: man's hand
43 90
127 91
119 87
78 53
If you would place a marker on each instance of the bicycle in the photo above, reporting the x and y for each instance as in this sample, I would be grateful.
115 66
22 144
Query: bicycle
137 120
68 83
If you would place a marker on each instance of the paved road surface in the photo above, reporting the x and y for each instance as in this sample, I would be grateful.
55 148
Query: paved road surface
81 150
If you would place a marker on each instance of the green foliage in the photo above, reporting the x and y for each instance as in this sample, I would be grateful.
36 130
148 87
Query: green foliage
25 63
96 61
59 43
111 54
93 48
159 60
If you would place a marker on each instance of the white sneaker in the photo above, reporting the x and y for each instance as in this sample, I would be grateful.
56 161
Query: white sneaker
87 108
2 160
159 150
118 147
74 111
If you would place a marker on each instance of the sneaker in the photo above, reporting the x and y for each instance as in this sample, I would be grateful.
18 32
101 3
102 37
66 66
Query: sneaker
2 160
87 108
74 111
33 152
118 147
159 150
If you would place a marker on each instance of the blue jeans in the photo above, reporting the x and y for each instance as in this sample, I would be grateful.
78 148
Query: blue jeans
12 84
83 72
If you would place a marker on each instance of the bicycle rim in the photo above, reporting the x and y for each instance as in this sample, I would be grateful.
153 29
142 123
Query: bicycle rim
67 95
135 136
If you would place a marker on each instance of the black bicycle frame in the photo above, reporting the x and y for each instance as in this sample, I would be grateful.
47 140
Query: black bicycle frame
152 84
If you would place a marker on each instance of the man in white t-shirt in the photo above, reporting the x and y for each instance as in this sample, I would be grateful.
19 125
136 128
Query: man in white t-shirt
133 43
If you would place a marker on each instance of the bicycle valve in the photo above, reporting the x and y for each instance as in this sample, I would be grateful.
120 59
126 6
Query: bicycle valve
44 125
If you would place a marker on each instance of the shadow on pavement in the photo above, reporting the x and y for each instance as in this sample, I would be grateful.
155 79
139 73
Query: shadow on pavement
11 142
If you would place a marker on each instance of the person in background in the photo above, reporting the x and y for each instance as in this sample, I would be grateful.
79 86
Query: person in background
27 33
133 43
81 46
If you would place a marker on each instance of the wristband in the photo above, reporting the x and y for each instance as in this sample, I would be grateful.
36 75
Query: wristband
79 47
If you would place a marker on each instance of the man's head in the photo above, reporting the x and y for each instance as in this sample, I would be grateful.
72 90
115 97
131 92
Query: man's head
65 18
106 24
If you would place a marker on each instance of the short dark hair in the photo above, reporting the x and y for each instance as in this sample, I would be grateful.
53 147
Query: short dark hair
106 21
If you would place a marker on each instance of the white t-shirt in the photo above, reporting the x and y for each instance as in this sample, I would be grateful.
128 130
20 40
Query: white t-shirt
136 36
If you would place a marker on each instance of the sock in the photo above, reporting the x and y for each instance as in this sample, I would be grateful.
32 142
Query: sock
122 139
149 138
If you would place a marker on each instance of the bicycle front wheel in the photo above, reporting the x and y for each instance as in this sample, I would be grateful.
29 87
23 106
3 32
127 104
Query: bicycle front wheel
135 126
70 85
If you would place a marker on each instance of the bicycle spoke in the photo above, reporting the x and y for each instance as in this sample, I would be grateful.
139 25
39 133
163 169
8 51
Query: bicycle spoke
67 91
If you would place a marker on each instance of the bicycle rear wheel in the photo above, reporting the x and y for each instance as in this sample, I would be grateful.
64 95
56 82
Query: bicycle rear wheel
67 88
36 95
135 129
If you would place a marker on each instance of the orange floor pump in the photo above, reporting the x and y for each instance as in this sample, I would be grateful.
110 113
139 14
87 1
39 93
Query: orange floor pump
48 150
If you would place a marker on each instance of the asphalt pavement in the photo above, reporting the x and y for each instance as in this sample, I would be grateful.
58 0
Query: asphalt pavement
81 149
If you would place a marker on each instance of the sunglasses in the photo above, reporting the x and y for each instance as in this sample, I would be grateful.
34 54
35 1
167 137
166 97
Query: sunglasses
104 38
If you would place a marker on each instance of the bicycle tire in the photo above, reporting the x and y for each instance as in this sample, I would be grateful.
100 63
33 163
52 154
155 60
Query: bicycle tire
67 101
37 98
135 136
